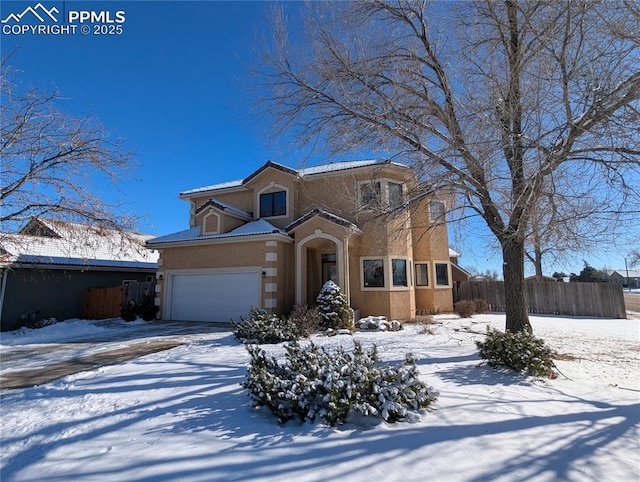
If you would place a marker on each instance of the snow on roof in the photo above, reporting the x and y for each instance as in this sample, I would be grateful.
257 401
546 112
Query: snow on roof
323 214
633 273
253 228
453 254
213 187
226 207
307 171
82 246
342 166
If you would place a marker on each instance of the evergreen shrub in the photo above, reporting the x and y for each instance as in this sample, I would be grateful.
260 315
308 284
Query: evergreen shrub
314 383
521 352
262 327
332 304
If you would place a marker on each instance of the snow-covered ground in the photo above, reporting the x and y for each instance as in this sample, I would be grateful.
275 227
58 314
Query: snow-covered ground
182 415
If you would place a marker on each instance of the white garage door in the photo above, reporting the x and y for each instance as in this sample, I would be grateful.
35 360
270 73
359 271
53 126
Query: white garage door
213 296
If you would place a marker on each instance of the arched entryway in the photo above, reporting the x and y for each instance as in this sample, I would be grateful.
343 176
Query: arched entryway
319 257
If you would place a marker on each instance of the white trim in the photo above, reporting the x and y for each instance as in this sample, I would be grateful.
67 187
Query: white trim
433 220
415 273
272 188
210 213
240 238
435 277
384 191
270 257
339 260
387 267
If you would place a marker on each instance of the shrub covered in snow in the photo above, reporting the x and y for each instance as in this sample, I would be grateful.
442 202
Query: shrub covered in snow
313 383
378 323
262 327
307 320
332 304
519 351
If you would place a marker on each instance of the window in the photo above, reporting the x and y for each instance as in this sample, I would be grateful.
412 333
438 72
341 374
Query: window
442 274
399 272
370 194
273 204
395 194
381 194
373 273
436 211
422 274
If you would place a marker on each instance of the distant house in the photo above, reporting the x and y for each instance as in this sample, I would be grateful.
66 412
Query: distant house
549 279
272 239
629 278
46 267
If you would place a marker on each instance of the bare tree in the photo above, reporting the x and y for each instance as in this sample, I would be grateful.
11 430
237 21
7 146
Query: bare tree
497 99
50 161
634 258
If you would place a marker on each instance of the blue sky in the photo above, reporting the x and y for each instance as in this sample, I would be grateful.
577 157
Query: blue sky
174 84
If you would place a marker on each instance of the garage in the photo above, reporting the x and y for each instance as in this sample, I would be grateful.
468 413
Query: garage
218 295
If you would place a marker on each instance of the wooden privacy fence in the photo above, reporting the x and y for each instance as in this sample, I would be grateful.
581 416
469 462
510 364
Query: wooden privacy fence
100 303
602 300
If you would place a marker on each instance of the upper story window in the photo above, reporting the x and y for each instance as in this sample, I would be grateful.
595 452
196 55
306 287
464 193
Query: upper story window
395 192
273 204
381 194
370 194
436 212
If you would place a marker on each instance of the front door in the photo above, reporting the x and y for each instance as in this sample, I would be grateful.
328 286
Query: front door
329 268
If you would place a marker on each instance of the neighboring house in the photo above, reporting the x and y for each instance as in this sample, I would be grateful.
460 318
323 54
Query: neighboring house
46 267
457 273
629 278
272 239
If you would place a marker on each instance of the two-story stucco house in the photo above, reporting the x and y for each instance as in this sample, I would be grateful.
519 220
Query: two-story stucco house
271 240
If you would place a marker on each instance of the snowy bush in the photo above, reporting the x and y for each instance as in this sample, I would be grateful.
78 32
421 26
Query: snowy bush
307 320
313 383
262 327
332 304
378 323
519 351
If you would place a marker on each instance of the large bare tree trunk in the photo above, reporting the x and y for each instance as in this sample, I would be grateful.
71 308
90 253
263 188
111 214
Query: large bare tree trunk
515 294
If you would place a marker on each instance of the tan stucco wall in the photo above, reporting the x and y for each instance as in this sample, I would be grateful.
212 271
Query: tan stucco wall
411 237
278 286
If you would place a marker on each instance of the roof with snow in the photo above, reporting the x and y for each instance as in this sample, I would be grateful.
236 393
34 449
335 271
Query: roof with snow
633 273
228 208
73 244
323 214
253 228
308 171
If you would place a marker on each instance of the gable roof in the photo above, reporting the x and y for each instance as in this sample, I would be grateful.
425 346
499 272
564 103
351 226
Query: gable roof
324 215
308 171
74 244
226 208
622 273
259 227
